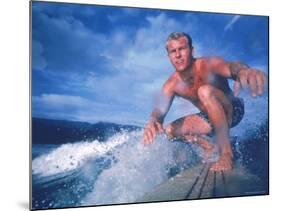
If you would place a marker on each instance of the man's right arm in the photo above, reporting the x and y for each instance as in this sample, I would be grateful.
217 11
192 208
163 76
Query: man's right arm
155 124
242 74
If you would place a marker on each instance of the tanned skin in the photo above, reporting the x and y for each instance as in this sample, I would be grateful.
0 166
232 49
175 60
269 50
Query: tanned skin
203 82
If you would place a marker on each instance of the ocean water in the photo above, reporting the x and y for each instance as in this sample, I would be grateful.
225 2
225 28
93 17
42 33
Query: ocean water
121 170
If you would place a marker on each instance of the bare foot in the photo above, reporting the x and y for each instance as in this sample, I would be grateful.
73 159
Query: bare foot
207 147
224 163
208 152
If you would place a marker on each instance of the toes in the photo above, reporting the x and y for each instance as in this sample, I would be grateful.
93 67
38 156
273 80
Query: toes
220 166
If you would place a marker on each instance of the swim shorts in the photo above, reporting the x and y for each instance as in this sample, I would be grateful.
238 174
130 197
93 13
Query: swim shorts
237 115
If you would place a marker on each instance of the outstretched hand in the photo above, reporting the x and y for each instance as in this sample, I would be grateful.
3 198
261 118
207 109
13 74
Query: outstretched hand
252 79
150 132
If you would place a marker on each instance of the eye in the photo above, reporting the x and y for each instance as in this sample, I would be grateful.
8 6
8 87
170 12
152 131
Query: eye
183 48
172 51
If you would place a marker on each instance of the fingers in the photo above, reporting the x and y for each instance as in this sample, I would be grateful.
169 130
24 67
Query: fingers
253 83
144 140
159 127
151 131
243 78
148 136
257 82
253 79
260 83
236 88
264 79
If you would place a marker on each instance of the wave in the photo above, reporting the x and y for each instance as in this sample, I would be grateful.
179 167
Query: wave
68 157
138 169
119 170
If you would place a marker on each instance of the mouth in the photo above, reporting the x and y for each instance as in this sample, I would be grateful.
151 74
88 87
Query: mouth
180 62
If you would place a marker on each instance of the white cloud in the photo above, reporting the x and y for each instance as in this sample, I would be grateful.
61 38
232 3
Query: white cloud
140 66
56 100
71 47
77 108
135 67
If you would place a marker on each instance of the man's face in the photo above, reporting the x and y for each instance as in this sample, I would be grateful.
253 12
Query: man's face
180 53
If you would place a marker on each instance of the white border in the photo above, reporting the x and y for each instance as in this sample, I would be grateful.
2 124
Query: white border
15 102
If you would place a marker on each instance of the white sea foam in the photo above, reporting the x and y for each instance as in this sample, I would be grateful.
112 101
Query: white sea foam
138 170
69 157
134 168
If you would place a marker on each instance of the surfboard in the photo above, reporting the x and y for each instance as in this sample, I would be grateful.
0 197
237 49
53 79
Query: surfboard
199 182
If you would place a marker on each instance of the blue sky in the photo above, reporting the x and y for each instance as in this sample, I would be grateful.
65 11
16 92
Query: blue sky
96 63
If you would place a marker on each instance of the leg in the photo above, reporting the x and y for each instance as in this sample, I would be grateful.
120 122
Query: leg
203 143
191 129
219 110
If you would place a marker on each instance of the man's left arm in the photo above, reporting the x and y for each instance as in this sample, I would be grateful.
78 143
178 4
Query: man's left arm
244 76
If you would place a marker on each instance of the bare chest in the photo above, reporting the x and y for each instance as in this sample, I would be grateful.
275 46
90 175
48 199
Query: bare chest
188 88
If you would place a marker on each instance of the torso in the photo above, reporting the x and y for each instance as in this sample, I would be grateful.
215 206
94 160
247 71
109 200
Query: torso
187 87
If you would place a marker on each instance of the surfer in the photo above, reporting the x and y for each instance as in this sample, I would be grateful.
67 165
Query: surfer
203 81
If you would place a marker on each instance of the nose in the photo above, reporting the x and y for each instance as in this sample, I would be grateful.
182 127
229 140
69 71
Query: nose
178 54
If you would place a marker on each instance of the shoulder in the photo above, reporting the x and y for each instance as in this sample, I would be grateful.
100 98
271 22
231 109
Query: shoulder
170 84
211 62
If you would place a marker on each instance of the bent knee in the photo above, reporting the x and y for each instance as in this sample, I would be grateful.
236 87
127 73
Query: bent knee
204 92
